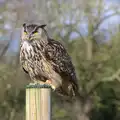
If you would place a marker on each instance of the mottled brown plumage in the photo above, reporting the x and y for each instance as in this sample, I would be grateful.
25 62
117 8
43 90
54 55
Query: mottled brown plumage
46 59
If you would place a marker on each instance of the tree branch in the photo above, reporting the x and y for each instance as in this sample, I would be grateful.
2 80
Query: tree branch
106 79
94 88
113 77
103 19
80 35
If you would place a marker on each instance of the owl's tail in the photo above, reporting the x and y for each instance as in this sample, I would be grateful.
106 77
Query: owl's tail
70 93
75 94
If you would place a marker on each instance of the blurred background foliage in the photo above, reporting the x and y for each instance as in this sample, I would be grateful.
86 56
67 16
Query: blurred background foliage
90 30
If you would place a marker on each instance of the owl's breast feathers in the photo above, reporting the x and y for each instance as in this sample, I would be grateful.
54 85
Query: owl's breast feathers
32 60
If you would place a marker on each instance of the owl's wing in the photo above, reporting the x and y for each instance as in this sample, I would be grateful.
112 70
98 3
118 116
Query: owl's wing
60 60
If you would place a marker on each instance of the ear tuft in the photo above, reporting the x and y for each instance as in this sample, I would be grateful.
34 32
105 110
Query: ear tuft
24 25
42 26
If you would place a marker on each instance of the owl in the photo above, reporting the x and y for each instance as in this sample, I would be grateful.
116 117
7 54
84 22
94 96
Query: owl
46 60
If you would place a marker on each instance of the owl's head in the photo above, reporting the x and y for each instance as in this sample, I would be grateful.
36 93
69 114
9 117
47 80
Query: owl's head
33 32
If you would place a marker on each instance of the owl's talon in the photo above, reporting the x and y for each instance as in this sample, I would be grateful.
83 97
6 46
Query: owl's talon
49 82
32 83
53 87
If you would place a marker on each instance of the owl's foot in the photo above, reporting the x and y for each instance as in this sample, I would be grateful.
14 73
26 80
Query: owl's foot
49 82
35 82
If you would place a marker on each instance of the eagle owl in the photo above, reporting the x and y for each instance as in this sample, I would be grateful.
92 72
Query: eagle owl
46 60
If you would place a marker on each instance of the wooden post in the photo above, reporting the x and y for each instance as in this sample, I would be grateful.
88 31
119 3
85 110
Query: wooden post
38 102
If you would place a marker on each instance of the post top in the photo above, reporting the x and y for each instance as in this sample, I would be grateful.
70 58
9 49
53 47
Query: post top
37 85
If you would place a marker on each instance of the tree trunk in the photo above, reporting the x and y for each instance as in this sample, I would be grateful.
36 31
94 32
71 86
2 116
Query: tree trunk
89 49
82 109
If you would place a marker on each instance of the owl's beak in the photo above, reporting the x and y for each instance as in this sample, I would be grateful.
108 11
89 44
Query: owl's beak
29 36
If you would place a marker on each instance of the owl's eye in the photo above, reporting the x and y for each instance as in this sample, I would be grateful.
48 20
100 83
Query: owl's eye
35 33
25 32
